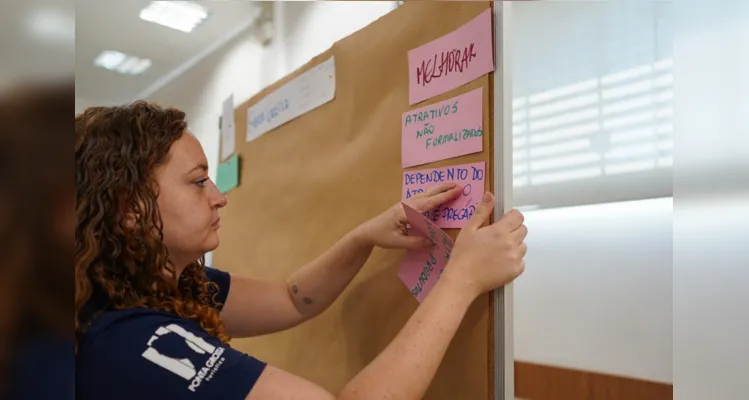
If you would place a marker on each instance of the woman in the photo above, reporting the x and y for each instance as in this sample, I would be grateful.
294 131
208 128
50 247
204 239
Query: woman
153 322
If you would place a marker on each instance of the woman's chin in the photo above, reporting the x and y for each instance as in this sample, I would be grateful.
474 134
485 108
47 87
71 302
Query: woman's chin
211 242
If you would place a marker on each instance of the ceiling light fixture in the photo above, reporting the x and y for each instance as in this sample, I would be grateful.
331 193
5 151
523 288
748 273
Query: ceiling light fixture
180 15
52 25
123 63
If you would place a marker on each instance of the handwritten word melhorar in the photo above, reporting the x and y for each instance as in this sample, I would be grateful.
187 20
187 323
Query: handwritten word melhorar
447 129
452 60
420 269
456 213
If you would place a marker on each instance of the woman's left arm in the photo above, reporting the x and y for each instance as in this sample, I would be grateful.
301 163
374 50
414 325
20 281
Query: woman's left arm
254 307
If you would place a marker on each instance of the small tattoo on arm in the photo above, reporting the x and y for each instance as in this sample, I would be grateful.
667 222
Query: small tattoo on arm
295 290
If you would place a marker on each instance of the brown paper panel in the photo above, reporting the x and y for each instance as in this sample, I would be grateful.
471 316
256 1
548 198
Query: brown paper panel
307 183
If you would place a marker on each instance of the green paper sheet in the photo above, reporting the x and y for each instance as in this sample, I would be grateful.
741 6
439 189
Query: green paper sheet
227 176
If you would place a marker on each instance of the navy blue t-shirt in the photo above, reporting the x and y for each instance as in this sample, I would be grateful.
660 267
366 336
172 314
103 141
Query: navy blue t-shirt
147 354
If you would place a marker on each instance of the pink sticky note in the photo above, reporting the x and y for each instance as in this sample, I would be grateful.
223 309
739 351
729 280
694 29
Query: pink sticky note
456 213
443 130
452 60
420 269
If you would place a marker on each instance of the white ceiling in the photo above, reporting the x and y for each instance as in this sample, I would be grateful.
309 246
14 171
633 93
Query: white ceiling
115 25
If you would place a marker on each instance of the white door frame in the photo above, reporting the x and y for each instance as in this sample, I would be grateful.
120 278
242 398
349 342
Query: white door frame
504 357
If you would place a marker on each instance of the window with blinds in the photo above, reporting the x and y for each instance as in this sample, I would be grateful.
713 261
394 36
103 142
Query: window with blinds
592 102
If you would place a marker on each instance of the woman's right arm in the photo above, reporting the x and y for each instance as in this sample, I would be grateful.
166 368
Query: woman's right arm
482 259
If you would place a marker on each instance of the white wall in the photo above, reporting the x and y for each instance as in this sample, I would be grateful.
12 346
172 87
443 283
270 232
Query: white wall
597 291
244 66
311 27
82 103
711 225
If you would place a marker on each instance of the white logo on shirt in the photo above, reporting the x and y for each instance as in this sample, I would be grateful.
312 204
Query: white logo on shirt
184 367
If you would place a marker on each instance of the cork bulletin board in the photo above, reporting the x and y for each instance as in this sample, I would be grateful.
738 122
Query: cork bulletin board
308 182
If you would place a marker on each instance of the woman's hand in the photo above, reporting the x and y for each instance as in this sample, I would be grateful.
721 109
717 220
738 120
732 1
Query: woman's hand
487 257
388 230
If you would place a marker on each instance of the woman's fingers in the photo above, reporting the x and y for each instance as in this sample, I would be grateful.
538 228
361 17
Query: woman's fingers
438 195
437 189
519 234
482 213
510 221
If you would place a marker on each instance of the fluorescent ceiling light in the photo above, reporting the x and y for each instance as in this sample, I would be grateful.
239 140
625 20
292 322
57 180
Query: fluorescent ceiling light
122 63
52 25
180 15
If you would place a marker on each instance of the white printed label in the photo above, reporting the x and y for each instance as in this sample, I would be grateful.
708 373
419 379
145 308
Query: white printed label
227 128
301 95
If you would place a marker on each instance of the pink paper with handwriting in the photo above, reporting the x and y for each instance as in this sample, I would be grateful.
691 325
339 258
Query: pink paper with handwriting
447 129
456 213
420 269
451 60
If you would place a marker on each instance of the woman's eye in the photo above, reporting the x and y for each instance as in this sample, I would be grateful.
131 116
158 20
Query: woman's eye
202 182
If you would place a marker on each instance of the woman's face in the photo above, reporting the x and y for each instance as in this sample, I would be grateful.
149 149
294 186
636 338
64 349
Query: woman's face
188 202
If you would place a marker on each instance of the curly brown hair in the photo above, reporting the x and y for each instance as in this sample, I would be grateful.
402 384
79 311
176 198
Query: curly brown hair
116 152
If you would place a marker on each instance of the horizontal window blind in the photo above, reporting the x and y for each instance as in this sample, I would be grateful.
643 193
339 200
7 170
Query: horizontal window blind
593 102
